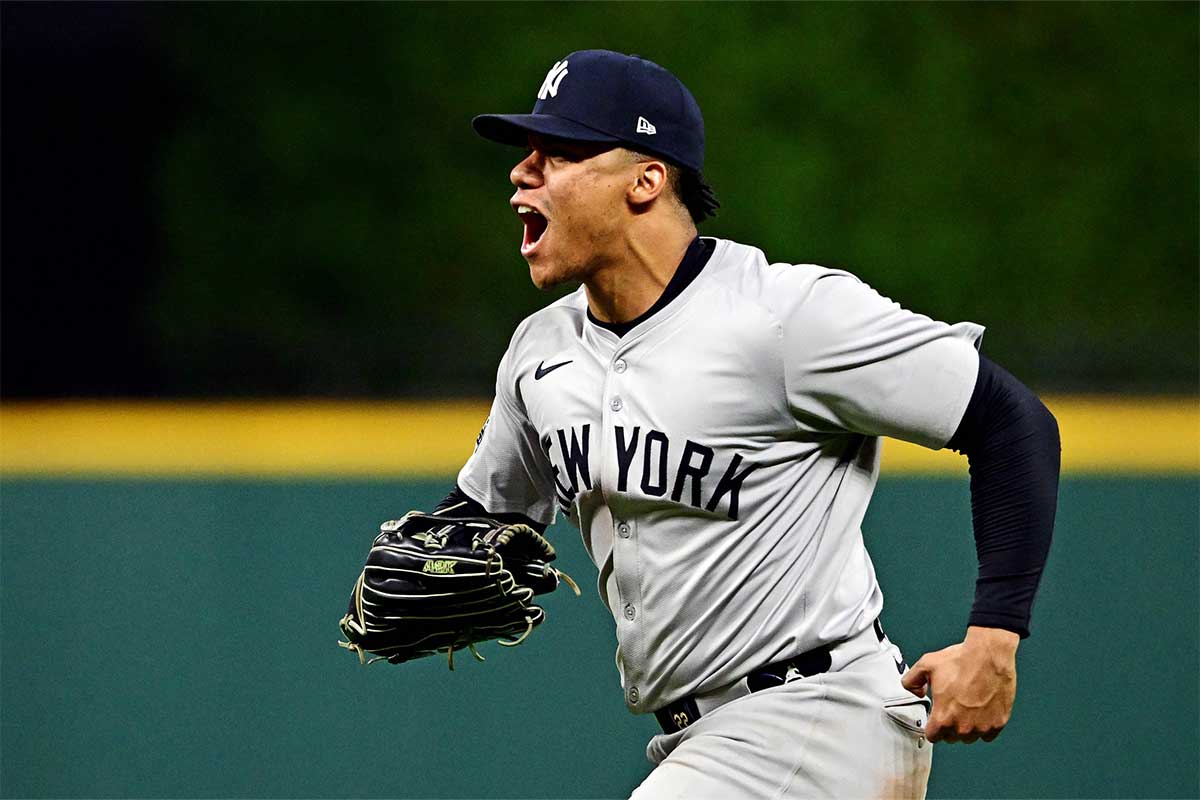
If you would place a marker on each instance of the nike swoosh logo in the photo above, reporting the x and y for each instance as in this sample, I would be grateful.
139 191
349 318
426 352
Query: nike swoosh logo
542 370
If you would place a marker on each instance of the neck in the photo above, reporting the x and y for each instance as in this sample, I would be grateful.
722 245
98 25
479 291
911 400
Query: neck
629 284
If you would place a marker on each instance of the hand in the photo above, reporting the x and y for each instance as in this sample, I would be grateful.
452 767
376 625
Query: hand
974 685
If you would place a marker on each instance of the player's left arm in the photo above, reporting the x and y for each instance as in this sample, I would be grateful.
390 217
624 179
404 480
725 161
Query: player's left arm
859 362
1012 443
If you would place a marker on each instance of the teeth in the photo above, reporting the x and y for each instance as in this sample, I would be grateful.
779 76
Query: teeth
526 210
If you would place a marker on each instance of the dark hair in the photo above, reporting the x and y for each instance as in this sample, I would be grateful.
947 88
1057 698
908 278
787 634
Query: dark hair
688 186
697 195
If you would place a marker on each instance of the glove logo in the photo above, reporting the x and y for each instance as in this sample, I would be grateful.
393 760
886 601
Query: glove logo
553 79
439 567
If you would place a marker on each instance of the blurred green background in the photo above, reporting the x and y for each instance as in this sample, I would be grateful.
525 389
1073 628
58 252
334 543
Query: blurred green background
315 216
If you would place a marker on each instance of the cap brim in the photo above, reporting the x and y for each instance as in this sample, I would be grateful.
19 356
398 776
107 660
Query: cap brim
513 129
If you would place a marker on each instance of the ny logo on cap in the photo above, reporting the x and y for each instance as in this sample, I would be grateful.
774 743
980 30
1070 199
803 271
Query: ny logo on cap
644 126
553 79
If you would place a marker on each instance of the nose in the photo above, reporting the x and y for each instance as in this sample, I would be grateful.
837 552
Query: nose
527 174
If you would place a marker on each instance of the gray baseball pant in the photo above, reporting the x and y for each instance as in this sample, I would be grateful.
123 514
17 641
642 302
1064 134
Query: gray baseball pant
852 732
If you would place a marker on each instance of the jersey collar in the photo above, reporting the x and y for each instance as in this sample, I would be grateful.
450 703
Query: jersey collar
693 261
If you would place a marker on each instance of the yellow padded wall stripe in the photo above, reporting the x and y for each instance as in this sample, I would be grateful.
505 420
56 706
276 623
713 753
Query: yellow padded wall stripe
432 439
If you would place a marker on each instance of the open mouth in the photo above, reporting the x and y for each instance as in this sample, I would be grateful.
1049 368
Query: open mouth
535 228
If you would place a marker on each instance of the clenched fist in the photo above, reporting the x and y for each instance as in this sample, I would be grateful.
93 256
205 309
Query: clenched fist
973 685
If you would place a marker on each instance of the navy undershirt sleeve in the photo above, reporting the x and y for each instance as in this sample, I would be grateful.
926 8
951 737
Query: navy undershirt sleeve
1012 445
457 504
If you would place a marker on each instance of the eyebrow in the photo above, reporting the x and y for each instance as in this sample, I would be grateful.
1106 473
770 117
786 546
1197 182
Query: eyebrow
554 141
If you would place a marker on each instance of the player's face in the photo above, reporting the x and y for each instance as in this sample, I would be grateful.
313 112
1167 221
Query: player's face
571 198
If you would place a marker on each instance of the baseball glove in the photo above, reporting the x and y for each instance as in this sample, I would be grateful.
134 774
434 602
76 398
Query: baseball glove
436 584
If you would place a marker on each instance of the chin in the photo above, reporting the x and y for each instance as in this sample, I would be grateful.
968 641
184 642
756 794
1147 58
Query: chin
545 281
547 276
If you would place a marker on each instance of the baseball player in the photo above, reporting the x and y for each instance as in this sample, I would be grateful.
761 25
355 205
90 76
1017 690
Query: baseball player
710 421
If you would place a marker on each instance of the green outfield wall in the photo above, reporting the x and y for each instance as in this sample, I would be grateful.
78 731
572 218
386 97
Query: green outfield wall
176 639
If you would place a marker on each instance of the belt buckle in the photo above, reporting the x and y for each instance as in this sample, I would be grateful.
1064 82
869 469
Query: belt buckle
805 665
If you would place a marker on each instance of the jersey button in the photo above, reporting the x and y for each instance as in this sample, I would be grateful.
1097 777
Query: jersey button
620 366
630 611
633 695
616 404
623 530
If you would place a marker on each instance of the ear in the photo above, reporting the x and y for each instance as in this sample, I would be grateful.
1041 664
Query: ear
650 180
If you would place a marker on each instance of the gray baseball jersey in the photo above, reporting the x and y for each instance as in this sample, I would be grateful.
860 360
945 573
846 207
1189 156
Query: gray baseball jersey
718 459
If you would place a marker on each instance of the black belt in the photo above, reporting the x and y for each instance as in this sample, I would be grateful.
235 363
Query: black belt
676 716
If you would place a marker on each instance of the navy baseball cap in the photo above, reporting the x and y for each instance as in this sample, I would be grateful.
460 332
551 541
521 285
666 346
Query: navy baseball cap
602 96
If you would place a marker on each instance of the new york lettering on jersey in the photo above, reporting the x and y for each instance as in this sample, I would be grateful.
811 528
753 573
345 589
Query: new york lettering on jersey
658 471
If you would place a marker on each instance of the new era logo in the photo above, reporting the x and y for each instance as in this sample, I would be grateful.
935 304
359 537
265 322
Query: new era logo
553 79
644 126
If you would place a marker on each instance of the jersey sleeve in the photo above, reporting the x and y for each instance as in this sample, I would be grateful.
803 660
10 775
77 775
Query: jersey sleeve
509 473
857 361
